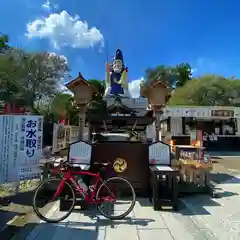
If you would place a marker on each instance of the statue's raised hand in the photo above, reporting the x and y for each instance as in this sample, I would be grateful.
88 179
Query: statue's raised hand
108 67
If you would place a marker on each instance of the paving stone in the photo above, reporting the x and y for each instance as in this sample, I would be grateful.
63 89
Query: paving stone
146 217
43 231
220 215
88 235
145 223
121 232
62 233
147 234
186 228
86 220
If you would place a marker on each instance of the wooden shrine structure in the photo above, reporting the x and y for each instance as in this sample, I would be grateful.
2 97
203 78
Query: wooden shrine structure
134 122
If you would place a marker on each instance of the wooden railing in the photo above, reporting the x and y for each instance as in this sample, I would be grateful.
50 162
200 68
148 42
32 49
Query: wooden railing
63 135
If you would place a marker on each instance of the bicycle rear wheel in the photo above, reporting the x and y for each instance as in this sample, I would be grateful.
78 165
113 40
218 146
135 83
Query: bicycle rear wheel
109 191
47 209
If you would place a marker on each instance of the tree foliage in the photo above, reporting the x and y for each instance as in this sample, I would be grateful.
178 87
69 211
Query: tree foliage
26 78
64 106
3 43
209 90
183 74
175 76
99 85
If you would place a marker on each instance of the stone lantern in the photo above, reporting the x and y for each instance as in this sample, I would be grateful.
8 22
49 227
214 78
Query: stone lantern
158 94
83 92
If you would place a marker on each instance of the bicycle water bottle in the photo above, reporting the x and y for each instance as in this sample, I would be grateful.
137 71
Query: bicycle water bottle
82 185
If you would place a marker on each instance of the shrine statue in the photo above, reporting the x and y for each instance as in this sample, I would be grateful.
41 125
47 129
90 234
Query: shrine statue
117 77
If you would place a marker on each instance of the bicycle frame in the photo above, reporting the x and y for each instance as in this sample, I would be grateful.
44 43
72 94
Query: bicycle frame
90 198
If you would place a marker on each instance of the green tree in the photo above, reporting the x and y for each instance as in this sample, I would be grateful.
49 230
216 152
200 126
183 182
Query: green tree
160 73
99 85
63 105
10 74
175 76
183 73
3 43
44 72
208 90
30 77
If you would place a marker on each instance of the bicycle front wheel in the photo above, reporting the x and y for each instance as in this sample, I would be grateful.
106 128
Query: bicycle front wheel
118 197
49 210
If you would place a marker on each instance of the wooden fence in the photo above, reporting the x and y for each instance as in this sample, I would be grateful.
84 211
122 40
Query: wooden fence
63 135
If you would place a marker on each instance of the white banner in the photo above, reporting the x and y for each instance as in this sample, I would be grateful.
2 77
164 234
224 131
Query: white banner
20 146
202 112
187 112
5 147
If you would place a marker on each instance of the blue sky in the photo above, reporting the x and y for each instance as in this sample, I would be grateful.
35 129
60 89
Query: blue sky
203 33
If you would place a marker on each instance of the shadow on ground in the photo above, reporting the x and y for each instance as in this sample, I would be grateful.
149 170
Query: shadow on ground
15 209
215 159
222 153
91 230
6 216
196 206
218 178
183 208
22 198
34 231
103 222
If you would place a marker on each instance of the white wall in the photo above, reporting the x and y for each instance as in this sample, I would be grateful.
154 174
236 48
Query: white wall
238 127
176 126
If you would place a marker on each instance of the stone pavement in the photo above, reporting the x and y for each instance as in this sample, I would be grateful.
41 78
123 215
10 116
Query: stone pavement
221 215
143 223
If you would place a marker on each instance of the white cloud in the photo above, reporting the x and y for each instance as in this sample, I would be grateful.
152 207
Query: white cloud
48 6
194 70
64 58
61 29
64 89
134 87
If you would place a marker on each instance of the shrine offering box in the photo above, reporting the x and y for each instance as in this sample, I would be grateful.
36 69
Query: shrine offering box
188 151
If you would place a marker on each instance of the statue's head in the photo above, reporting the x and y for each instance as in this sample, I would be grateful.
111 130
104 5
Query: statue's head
117 63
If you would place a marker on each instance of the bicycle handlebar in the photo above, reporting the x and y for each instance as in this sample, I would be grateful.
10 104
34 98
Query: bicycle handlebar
64 164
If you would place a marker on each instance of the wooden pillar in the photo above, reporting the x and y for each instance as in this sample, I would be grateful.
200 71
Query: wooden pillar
158 125
157 114
81 121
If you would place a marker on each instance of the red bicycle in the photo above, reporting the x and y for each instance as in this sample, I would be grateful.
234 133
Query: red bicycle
101 193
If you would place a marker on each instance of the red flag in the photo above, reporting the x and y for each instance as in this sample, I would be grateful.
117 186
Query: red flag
7 108
22 110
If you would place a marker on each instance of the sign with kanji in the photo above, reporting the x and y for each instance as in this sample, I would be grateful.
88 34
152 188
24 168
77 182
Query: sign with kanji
223 113
7 167
20 147
80 153
159 154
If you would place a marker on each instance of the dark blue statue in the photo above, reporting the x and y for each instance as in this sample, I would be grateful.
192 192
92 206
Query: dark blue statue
116 79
